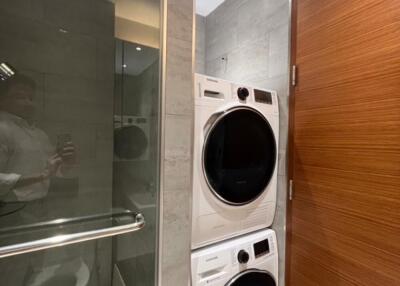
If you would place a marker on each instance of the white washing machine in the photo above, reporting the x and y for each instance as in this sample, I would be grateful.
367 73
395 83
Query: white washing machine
235 160
251 260
131 138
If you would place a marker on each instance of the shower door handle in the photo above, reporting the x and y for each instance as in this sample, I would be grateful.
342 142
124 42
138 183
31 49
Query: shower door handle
67 239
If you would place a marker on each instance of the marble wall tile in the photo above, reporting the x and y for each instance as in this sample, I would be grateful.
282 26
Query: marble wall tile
178 130
200 44
278 64
180 20
241 41
178 80
176 200
177 220
178 173
177 273
177 137
279 40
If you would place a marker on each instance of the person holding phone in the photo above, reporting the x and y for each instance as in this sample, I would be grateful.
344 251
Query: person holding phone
29 166
27 158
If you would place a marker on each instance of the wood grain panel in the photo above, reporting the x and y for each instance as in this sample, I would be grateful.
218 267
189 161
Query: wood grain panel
351 126
379 111
378 87
353 203
383 162
343 265
374 135
345 144
351 226
310 272
302 278
362 183
344 22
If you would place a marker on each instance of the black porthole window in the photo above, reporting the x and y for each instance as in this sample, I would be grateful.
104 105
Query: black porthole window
252 278
130 142
239 156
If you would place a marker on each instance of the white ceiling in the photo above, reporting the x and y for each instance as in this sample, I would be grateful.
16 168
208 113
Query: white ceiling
205 7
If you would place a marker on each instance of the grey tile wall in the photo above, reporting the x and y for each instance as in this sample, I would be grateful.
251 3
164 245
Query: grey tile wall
200 65
248 41
178 130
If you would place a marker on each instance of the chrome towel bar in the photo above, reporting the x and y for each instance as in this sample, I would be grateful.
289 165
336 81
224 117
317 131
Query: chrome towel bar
67 239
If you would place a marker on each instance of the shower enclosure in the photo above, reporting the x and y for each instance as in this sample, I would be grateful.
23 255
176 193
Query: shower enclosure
79 142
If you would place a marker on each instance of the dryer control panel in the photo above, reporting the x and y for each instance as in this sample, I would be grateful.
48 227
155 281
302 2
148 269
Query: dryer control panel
210 90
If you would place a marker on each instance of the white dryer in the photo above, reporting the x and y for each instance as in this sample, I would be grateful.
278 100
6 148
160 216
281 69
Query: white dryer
131 138
251 260
235 158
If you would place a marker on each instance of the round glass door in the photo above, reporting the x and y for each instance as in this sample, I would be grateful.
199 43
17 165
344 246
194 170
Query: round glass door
130 142
239 156
252 278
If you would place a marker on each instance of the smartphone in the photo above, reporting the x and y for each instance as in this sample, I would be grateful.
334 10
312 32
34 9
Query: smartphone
62 140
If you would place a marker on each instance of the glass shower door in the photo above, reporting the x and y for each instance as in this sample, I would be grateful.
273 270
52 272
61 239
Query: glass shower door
79 137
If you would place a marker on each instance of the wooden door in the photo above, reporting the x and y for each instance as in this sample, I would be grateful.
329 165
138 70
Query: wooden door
344 219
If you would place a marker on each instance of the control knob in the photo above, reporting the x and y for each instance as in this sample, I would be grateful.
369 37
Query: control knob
242 93
243 257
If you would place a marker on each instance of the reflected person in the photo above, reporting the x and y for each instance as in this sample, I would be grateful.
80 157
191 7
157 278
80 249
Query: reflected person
28 161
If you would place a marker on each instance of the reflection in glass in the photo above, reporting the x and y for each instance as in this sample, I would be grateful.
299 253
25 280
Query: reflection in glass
135 156
79 113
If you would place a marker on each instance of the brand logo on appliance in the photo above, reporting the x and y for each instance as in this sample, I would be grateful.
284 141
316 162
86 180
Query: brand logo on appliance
212 80
212 258
218 226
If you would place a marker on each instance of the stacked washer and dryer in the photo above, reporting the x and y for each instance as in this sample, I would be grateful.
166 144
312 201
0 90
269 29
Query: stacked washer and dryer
234 184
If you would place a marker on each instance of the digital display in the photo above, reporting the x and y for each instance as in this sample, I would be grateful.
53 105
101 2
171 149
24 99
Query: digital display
262 96
261 248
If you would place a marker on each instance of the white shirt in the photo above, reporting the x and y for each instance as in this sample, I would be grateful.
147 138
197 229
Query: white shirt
24 150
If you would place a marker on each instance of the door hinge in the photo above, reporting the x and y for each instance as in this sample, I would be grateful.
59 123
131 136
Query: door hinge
290 190
294 75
